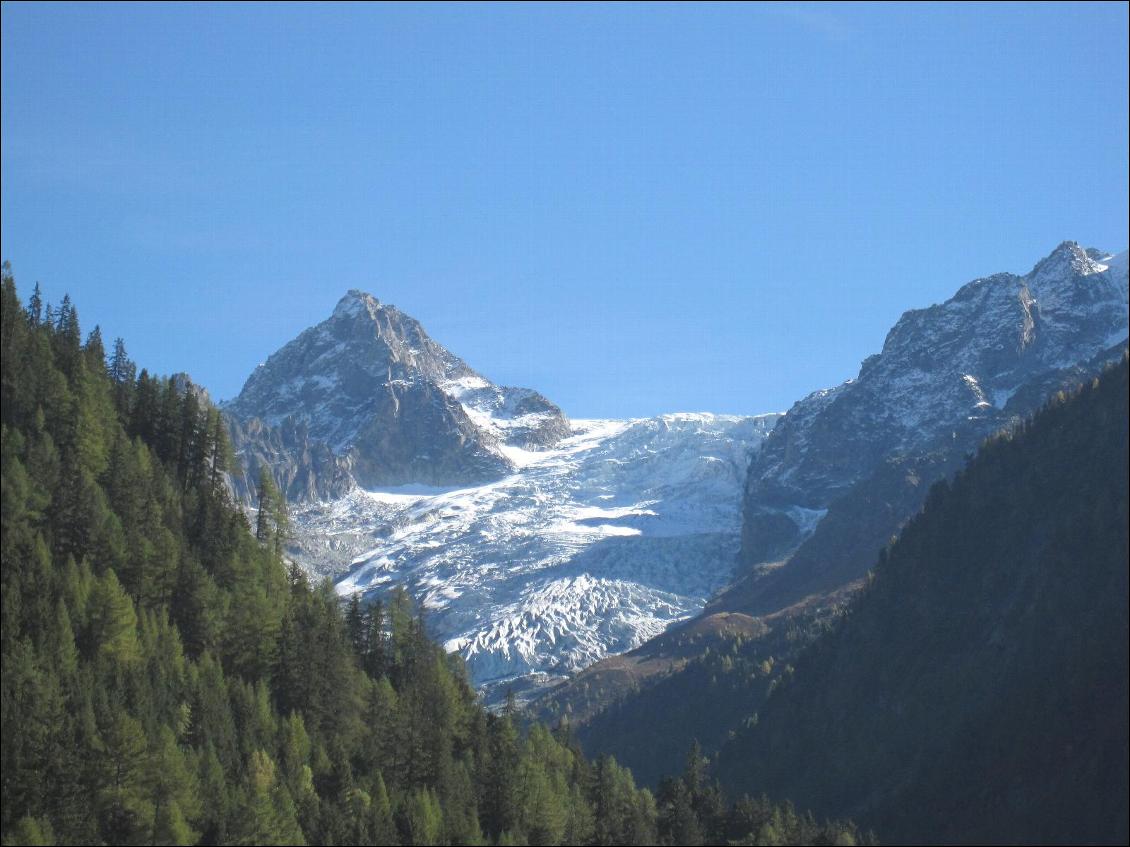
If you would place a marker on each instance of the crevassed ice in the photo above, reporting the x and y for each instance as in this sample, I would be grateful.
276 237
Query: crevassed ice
589 548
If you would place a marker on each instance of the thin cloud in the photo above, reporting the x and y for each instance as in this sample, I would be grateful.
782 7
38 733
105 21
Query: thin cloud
815 18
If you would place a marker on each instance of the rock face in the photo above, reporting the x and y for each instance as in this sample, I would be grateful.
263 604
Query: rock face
303 468
367 397
847 465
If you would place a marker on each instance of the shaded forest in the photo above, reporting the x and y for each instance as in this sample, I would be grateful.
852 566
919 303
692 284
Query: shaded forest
977 690
716 673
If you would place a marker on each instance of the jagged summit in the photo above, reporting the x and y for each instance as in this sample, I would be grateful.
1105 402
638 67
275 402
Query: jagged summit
948 376
371 386
1069 259
354 302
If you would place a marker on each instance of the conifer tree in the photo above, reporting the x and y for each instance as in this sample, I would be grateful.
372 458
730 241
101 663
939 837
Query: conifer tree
34 304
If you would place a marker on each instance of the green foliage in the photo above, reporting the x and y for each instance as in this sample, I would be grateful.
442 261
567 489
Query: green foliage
167 679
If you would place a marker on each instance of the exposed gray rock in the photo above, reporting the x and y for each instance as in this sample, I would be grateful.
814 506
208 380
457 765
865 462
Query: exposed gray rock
304 469
947 377
367 398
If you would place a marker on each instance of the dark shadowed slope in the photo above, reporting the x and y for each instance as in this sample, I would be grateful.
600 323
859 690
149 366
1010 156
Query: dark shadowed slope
978 691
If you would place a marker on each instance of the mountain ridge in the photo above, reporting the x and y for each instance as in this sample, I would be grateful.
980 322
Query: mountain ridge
416 468
976 691
947 376
820 537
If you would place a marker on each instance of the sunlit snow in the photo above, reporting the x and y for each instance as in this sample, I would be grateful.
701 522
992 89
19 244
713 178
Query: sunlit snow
589 548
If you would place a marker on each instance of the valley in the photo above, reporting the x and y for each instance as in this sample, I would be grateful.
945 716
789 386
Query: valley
538 545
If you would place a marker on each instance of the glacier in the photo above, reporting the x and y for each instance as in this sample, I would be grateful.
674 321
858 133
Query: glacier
588 548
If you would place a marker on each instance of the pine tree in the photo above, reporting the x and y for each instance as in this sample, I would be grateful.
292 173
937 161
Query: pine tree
268 814
112 621
382 827
95 351
422 821
34 305
357 626
173 791
124 812
123 374
376 659
266 527
218 451
62 649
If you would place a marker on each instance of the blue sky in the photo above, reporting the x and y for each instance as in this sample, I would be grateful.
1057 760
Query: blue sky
634 209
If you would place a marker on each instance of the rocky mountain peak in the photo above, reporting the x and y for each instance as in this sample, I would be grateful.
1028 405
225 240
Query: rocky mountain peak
372 387
1066 261
948 376
355 303
354 295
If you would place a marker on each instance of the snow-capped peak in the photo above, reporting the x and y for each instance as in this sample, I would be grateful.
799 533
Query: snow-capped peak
370 385
1066 260
948 375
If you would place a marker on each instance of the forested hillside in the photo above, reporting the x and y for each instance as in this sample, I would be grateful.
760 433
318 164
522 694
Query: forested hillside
703 680
977 692
167 679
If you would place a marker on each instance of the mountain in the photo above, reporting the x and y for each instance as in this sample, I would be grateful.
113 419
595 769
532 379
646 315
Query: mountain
848 465
589 548
977 691
167 679
537 547
367 397
838 477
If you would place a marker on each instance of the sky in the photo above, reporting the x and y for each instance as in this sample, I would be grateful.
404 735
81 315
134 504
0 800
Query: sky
634 209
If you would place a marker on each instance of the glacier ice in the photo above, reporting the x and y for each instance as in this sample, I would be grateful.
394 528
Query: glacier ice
589 548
